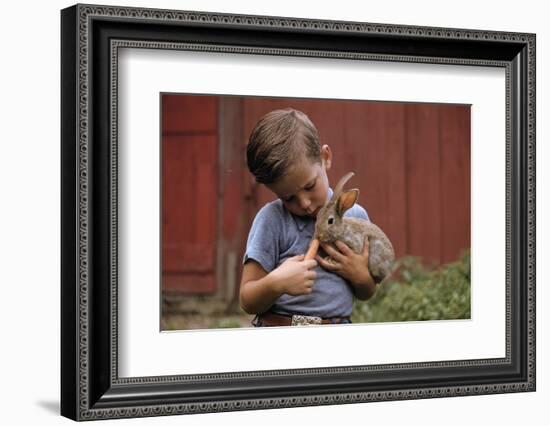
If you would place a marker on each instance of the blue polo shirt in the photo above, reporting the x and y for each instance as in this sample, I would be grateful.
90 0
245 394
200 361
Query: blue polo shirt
276 235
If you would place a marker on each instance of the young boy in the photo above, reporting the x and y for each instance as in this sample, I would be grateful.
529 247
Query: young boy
277 284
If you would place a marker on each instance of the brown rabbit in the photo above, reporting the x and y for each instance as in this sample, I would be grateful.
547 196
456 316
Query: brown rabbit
331 225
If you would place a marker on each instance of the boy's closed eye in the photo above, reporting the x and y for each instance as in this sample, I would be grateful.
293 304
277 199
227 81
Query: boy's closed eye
307 188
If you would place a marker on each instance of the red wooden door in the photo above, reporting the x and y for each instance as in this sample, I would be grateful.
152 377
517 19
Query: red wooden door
189 193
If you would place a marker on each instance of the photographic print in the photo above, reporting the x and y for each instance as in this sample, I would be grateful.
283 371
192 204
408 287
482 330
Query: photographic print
227 213
234 182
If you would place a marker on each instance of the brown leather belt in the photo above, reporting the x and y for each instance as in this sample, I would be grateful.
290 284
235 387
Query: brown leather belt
270 319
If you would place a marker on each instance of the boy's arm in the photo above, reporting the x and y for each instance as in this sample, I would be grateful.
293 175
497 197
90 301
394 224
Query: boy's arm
259 289
365 289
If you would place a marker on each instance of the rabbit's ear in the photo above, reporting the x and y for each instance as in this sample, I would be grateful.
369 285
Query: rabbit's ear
341 183
346 200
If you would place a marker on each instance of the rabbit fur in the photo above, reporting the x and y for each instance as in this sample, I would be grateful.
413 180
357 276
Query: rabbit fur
330 226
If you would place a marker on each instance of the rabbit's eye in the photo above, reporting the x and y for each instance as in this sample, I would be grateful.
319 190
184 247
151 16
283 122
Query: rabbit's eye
330 220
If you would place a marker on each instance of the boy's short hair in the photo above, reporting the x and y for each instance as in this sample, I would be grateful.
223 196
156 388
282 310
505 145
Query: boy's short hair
280 139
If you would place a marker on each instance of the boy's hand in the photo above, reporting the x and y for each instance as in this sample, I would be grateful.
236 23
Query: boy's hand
345 262
294 276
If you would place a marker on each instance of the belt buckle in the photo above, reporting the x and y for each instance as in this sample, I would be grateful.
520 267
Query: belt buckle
305 320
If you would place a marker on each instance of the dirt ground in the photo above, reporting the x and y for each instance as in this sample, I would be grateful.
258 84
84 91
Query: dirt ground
196 321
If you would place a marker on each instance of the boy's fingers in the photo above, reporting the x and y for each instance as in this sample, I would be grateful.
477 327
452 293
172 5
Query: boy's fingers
311 275
334 254
326 264
343 247
311 263
319 259
366 246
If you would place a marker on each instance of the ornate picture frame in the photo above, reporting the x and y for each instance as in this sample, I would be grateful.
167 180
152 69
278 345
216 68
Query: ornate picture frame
91 38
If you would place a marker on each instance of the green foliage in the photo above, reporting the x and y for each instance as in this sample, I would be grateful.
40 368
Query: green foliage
416 293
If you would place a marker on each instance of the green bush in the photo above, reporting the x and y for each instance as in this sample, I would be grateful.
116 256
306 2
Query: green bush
417 293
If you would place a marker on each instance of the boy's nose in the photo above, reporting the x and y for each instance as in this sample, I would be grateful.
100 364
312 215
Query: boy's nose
305 203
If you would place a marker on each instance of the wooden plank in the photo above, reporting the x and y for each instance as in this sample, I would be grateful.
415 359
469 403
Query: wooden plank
423 186
190 284
188 113
232 164
374 147
394 175
232 199
205 164
188 257
189 207
455 180
177 172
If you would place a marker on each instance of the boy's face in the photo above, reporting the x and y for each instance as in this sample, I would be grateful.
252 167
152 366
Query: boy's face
304 189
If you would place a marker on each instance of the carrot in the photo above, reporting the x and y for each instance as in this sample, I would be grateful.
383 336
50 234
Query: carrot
312 250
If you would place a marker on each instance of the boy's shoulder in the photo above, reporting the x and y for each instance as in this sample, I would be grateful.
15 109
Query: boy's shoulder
357 211
272 209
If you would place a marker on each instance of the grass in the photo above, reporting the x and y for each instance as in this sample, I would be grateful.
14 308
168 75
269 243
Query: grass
418 293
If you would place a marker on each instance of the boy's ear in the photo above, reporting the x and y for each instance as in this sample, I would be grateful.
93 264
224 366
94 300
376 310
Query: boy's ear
346 200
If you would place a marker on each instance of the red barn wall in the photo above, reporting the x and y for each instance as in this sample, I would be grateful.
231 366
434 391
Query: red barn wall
411 164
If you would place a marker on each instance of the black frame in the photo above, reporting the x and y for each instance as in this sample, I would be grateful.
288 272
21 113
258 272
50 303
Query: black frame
90 386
